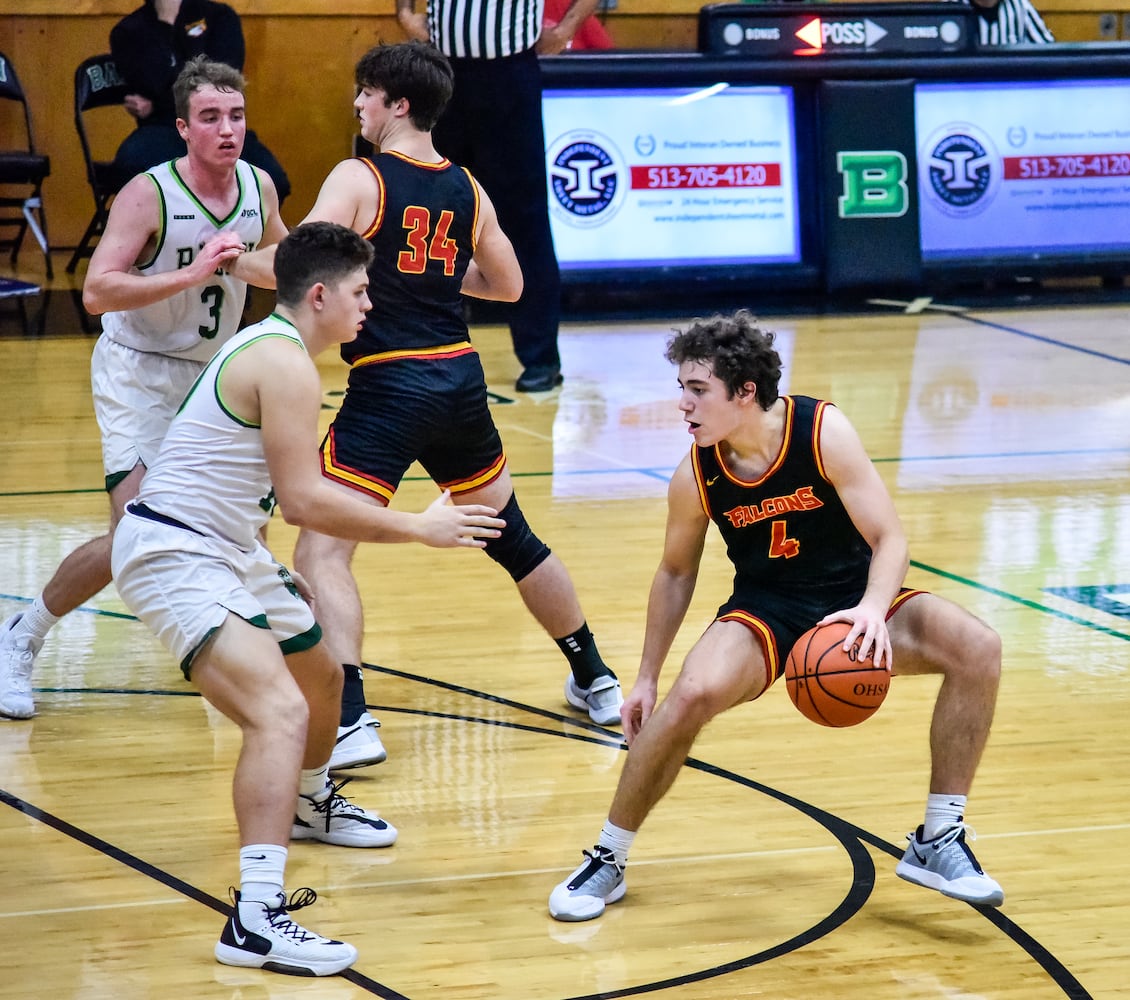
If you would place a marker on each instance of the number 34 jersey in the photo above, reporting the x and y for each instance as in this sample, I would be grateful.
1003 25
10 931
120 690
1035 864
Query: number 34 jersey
423 237
195 322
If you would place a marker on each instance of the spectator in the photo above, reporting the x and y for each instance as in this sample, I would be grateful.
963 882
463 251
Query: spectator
150 47
493 127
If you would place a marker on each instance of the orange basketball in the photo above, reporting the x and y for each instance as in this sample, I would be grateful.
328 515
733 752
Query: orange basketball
829 686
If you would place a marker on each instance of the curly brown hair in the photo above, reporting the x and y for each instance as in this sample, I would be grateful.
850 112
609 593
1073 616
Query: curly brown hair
735 349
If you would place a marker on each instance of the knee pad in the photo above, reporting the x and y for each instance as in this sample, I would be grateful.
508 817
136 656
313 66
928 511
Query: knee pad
517 550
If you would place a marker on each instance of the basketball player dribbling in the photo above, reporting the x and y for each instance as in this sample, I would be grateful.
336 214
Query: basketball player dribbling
840 556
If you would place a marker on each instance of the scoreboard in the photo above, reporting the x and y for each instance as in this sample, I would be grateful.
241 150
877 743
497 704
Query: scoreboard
784 31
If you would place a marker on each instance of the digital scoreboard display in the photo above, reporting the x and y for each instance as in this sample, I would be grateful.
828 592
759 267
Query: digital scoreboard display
672 176
1032 169
774 31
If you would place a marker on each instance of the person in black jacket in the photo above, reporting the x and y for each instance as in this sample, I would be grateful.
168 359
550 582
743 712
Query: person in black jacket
150 47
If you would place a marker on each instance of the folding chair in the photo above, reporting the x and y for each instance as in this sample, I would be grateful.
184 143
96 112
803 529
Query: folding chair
22 166
97 85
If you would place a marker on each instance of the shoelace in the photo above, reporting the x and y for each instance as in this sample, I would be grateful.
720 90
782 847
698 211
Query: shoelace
278 919
952 834
604 856
335 804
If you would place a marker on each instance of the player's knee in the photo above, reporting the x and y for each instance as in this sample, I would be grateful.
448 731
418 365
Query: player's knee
985 652
517 550
694 703
314 549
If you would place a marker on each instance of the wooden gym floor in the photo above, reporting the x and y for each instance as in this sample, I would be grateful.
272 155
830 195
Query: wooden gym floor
1004 435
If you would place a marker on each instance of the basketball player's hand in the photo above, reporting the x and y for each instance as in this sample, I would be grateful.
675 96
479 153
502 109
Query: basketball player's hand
637 708
220 249
447 525
870 627
305 591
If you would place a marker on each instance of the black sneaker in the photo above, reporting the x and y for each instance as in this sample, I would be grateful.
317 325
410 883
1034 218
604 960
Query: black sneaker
276 943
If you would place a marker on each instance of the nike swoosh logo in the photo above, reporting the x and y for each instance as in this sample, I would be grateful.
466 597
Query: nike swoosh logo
257 857
921 857
240 939
711 482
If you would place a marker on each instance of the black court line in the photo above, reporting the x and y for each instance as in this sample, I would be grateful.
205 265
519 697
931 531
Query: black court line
1040 338
160 876
850 837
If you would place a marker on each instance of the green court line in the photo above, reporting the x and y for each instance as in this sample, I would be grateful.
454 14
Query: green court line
1034 605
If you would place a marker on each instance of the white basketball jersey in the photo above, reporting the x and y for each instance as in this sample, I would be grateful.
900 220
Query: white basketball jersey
193 323
211 473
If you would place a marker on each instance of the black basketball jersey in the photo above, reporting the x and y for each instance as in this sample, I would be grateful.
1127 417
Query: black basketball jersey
423 238
787 532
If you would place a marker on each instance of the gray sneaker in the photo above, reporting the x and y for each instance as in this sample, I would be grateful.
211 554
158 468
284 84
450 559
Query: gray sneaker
947 864
17 657
584 894
602 700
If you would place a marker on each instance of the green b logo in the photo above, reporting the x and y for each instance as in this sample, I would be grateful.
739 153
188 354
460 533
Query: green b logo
874 184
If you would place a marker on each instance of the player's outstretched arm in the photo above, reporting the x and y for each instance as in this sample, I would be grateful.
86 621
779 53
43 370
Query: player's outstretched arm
671 591
275 384
348 196
258 267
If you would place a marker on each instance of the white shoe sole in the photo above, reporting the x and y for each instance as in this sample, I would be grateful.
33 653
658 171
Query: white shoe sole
227 955
978 894
566 909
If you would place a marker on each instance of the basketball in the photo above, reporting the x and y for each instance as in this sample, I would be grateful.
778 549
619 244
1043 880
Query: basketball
829 686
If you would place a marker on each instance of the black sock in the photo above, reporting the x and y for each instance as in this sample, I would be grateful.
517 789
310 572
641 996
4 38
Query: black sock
583 656
352 694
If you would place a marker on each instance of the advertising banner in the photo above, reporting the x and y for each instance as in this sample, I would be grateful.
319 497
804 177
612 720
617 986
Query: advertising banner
1033 168
647 177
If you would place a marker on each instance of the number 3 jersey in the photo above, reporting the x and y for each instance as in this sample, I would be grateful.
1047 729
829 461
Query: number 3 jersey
786 532
423 238
195 322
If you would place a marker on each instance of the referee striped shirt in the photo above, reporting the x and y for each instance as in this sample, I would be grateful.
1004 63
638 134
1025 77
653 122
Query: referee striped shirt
1012 22
484 29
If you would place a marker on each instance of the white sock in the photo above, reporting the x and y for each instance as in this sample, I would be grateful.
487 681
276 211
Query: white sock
617 840
37 620
942 812
261 871
313 782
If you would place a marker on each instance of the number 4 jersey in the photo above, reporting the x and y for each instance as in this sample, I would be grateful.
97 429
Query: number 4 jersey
787 532
195 322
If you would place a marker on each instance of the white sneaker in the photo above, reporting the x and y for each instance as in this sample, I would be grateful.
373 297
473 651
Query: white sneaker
584 894
602 701
17 657
276 943
947 864
336 820
358 745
